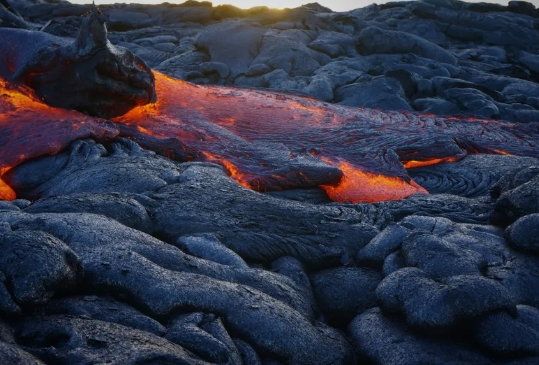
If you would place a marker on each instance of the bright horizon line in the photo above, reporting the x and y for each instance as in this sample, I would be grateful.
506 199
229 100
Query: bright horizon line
335 5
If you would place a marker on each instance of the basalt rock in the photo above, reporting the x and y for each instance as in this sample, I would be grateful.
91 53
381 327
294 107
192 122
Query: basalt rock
34 266
88 74
64 339
161 280
237 276
387 341
344 292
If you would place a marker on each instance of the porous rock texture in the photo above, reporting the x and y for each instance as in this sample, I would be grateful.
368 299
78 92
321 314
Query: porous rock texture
115 255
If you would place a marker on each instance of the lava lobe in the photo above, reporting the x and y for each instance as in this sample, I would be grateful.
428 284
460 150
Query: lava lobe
265 140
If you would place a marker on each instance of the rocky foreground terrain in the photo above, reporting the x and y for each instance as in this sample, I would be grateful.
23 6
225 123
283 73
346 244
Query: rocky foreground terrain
115 255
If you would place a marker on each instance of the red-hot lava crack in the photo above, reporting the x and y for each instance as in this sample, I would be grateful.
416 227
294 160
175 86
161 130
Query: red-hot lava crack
266 140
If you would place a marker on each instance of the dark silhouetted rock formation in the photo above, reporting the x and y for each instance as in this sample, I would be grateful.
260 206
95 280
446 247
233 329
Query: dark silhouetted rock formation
88 74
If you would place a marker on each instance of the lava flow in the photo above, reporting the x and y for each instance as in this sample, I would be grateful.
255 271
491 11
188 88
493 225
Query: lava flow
29 128
270 141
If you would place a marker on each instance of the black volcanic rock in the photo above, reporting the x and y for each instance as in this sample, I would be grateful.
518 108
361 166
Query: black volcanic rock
88 74
344 292
439 258
428 39
431 304
256 226
103 309
91 168
34 267
504 334
387 341
376 40
13 354
234 276
123 208
206 336
518 201
524 233
128 263
385 242
65 339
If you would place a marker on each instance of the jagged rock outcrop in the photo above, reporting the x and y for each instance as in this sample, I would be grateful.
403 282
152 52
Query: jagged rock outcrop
88 74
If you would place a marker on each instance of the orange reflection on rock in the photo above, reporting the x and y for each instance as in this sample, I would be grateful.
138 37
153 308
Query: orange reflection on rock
500 152
233 171
416 163
357 186
6 193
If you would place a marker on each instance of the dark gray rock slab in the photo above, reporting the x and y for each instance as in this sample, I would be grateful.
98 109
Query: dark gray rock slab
427 303
344 292
183 66
385 242
204 335
523 235
386 341
259 227
123 208
208 247
34 267
237 49
13 354
439 258
517 202
436 106
473 176
87 234
279 51
518 275
124 20
295 270
90 168
133 269
382 93
335 44
64 340
473 102
506 335
320 87
458 209
103 309
376 40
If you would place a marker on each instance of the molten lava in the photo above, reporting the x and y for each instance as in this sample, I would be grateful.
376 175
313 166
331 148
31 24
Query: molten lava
29 128
357 185
269 141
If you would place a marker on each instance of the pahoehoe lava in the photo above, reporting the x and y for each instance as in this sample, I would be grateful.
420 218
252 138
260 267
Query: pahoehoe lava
199 228
267 141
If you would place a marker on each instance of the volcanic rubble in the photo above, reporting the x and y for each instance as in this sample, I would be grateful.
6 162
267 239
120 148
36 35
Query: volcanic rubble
113 254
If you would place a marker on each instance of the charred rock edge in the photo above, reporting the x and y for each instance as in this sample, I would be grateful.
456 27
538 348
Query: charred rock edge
87 74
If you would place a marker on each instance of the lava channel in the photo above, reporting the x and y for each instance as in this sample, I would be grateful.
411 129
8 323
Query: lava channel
271 141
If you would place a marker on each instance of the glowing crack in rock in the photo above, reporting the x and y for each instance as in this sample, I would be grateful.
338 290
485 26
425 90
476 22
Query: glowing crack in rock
268 140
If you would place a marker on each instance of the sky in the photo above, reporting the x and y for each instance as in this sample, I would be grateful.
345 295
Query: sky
336 5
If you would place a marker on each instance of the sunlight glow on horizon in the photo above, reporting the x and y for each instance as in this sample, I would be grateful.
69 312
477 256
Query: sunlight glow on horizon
335 5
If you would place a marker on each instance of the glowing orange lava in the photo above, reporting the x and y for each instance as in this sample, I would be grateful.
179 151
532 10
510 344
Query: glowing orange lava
266 140
357 186
6 193
29 128
415 163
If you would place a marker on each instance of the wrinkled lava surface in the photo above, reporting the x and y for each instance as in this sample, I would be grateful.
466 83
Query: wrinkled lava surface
266 140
